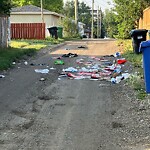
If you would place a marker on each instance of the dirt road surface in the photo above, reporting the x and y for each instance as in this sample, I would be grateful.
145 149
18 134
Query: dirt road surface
65 114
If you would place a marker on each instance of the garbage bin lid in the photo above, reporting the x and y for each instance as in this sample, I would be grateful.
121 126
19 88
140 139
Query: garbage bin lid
138 31
144 44
53 28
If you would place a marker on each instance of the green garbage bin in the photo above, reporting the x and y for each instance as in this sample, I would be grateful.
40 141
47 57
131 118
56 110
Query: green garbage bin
60 32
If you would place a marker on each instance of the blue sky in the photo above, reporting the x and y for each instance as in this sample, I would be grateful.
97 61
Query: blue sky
101 3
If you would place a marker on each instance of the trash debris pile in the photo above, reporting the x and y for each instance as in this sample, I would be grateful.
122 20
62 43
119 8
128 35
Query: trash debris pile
95 68
109 68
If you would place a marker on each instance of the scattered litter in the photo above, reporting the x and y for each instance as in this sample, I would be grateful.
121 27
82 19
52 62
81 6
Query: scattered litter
52 68
126 75
110 68
103 85
26 63
108 56
113 80
94 79
79 78
81 47
83 69
32 64
63 76
85 73
57 57
67 48
13 63
2 76
59 62
42 79
96 69
70 55
95 76
41 64
117 54
119 78
44 71
71 75
121 61
70 69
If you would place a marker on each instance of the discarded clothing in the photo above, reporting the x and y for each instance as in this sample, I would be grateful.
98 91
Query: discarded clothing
81 47
70 55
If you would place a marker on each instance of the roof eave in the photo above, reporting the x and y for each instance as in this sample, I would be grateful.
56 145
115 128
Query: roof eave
36 13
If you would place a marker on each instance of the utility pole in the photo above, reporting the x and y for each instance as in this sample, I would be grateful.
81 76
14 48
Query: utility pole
92 27
98 25
76 14
42 16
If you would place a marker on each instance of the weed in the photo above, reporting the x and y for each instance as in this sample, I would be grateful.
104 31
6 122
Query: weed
136 79
7 56
19 48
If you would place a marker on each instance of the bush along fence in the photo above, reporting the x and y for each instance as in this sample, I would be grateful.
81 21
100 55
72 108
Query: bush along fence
4 31
27 30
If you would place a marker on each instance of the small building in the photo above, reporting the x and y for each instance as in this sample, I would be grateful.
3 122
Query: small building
81 28
33 14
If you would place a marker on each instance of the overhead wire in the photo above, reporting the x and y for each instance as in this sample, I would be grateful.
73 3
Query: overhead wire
97 3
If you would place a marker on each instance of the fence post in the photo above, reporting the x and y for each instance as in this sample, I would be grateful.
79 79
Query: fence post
4 31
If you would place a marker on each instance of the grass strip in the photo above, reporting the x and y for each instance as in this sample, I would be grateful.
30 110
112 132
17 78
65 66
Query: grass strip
9 55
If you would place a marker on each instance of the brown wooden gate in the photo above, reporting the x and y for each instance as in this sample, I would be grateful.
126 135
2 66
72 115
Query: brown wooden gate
28 30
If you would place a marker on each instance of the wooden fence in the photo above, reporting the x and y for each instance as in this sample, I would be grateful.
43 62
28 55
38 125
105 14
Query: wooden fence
144 22
27 30
4 31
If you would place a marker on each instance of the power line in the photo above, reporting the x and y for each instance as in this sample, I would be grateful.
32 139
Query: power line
97 3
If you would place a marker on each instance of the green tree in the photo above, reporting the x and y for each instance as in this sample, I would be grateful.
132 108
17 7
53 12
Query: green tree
127 15
5 6
69 9
110 23
69 27
84 14
18 3
52 5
